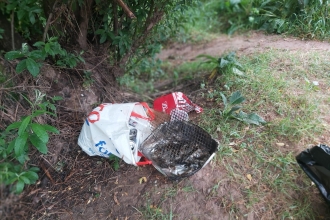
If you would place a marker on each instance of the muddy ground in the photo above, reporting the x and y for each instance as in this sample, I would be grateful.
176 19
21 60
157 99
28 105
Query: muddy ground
73 185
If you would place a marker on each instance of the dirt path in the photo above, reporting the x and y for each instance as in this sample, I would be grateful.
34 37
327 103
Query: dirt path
241 44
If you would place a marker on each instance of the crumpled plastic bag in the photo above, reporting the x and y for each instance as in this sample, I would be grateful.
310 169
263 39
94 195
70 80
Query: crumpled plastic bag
315 162
116 129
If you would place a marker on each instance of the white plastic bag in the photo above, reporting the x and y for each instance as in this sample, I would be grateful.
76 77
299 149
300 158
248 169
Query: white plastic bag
116 129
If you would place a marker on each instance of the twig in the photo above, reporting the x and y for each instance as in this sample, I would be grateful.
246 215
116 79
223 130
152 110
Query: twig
16 87
12 30
42 165
115 18
115 198
99 63
126 9
137 210
48 21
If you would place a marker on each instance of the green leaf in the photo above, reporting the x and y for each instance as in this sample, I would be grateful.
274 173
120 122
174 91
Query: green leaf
14 125
32 18
33 176
237 72
39 144
20 14
19 186
34 169
47 48
233 109
39 44
41 112
12 55
37 55
223 63
24 125
21 66
22 158
2 142
254 118
103 38
224 99
20 144
25 179
12 178
40 131
32 66
208 57
56 98
236 98
50 128
11 146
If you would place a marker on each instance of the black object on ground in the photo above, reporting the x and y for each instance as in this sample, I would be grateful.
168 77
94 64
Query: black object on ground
178 148
316 164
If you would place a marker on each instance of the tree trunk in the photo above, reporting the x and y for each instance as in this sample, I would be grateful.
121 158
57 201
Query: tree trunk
85 13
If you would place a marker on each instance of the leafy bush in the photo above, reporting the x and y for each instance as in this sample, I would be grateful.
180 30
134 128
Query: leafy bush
226 64
33 59
19 137
301 18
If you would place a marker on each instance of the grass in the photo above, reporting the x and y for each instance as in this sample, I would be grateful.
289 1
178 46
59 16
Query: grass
259 161
275 90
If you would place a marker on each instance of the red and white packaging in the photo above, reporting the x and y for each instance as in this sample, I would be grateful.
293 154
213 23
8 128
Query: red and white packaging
175 100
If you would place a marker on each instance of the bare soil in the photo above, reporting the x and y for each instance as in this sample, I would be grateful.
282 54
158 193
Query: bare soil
73 185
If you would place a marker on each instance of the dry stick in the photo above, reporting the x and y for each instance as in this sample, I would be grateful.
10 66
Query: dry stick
12 30
126 9
115 18
48 21
16 87
47 173
115 25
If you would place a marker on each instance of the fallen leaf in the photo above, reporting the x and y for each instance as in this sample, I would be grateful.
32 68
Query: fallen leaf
143 180
249 176
280 144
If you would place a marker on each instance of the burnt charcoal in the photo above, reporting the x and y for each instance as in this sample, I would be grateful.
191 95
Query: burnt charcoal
178 148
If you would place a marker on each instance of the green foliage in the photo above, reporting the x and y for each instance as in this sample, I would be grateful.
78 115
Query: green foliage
114 161
33 60
133 38
232 109
28 16
87 79
1 32
226 65
300 18
18 138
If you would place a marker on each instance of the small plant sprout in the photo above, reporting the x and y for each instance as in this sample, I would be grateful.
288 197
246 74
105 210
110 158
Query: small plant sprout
232 109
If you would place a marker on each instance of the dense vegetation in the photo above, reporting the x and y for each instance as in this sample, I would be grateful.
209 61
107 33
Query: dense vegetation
307 19
60 33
